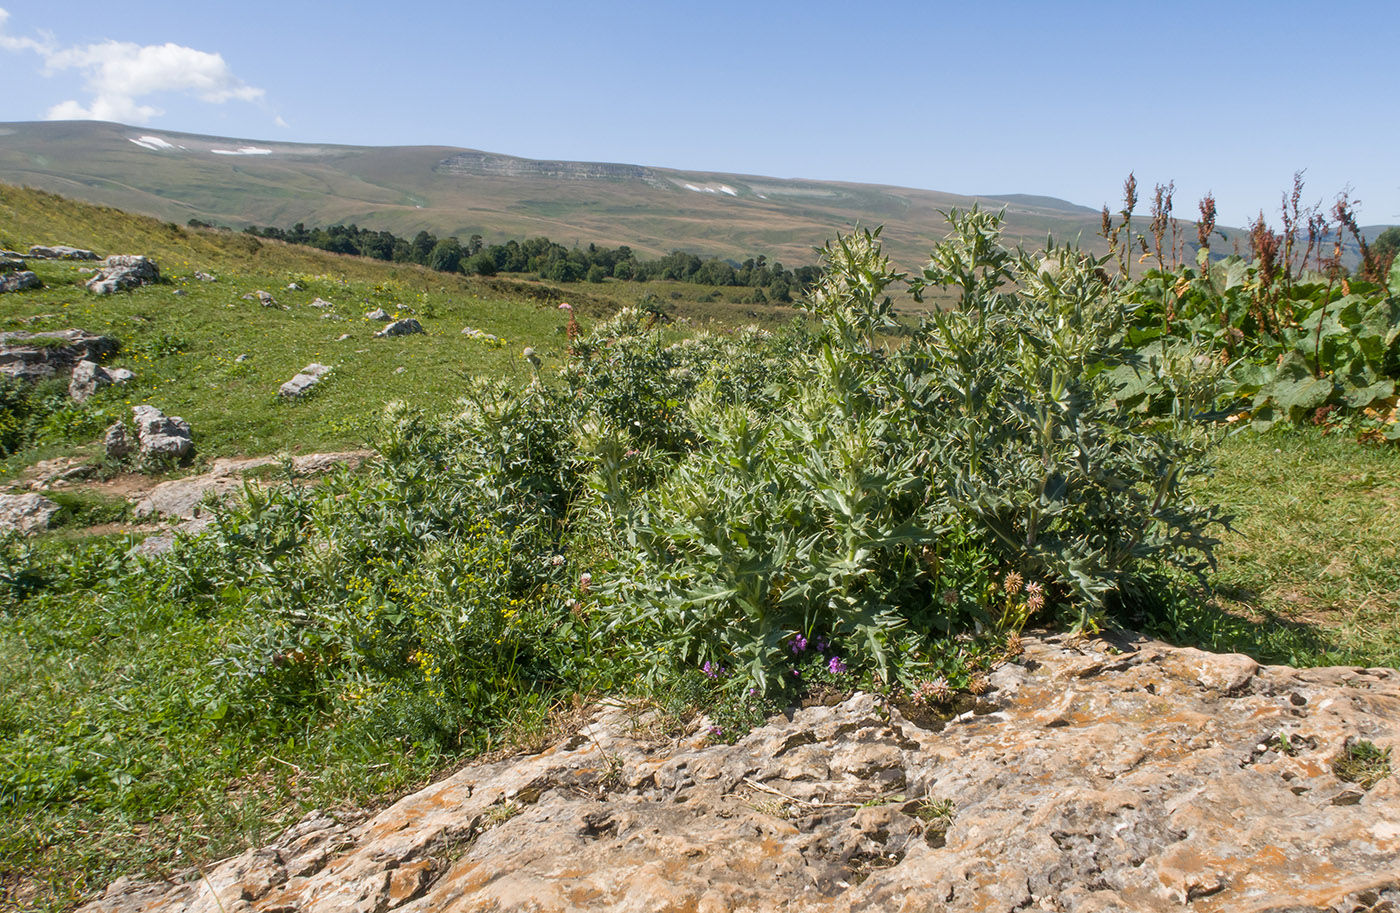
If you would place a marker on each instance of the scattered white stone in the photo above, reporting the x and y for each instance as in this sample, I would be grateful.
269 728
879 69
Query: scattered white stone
319 302
204 277
242 358
293 287
307 378
377 314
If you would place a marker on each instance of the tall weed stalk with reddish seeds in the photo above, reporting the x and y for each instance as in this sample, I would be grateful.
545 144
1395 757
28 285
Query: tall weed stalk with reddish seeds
1130 199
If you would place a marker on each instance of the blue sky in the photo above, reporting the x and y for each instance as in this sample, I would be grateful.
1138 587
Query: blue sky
1062 99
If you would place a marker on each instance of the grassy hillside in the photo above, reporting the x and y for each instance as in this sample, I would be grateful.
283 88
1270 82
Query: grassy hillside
183 337
452 191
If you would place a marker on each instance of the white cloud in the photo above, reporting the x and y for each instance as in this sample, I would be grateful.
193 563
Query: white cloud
118 74
278 120
11 43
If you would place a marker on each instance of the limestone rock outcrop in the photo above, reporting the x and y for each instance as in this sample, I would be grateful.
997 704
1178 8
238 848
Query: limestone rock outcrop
89 377
183 499
1118 774
60 252
26 513
406 327
121 272
305 379
19 281
160 435
117 442
37 356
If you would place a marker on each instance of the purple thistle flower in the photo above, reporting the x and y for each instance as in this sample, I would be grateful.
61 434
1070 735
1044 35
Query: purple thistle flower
799 643
836 666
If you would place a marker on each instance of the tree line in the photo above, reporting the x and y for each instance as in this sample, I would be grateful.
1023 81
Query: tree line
548 259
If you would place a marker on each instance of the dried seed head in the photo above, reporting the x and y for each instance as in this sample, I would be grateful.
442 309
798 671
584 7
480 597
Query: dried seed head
932 692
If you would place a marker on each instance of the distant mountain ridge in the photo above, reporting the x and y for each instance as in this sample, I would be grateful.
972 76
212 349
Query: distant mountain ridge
452 191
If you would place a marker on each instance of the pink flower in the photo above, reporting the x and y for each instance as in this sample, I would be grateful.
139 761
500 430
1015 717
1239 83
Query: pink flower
584 582
566 306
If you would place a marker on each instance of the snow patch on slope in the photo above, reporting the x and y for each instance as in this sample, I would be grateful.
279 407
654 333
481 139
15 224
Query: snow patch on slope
153 143
242 150
713 188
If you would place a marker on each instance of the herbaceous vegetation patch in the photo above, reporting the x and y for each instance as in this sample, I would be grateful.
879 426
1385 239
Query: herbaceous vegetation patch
729 520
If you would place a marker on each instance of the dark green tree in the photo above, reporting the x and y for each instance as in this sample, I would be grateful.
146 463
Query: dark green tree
446 256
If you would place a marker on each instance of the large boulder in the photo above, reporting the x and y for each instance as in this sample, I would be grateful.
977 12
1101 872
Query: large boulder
406 327
121 272
60 252
19 281
1118 774
159 435
26 514
10 264
89 377
37 356
305 379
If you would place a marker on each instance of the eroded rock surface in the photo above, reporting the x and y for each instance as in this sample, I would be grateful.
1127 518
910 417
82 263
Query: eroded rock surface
20 281
1095 776
26 514
160 435
36 356
60 252
89 377
122 272
406 327
185 498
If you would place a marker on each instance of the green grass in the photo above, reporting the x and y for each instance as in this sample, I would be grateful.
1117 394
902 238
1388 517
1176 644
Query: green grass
1309 574
102 708
184 349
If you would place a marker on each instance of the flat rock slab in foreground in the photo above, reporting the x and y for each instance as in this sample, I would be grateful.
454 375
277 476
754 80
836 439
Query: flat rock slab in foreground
1093 778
